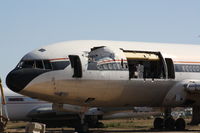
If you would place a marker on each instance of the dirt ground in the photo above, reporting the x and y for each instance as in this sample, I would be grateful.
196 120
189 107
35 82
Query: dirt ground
111 126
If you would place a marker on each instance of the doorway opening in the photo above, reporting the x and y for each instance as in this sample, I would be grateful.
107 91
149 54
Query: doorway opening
144 64
76 65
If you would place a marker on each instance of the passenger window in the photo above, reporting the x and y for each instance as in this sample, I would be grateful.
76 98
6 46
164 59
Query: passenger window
105 66
197 68
114 66
47 64
99 67
118 66
39 64
110 66
126 65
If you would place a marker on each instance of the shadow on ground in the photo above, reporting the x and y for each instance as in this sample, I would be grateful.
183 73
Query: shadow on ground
121 131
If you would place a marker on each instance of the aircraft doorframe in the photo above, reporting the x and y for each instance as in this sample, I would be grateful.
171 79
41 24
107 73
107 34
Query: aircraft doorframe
76 65
148 65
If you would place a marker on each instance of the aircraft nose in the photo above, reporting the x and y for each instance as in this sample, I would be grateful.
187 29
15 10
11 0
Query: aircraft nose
18 79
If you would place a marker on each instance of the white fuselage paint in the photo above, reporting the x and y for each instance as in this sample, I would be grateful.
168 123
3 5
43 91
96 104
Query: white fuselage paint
112 88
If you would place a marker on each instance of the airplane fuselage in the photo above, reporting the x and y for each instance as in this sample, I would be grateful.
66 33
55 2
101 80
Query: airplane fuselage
109 73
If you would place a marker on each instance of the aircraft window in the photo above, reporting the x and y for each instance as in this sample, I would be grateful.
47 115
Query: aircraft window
92 66
60 65
187 68
191 69
39 64
126 65
110 67
28 64
118 66
105 66
19 65
47 64
197 68
114 66
99 67
43 64
15 99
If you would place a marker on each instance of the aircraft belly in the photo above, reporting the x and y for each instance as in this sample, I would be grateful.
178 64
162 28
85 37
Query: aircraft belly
135 92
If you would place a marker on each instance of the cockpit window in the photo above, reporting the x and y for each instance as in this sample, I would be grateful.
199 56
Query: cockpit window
59 65
47 64
39 64
43 64
27 64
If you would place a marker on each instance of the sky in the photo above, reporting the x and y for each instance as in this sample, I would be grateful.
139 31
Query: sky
29 24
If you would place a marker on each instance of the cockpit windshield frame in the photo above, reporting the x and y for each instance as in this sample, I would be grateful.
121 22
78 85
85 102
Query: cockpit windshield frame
43 64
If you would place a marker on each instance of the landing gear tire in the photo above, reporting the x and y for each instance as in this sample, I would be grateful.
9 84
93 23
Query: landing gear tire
158 123
100 125
82 128
169 123
180 124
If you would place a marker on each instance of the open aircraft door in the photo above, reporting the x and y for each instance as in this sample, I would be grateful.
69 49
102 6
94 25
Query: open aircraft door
76 65
148 65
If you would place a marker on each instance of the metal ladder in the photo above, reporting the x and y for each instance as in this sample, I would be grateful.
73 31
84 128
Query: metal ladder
3 110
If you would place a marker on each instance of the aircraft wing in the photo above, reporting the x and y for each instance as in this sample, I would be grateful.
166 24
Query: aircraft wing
185 93
48 113
193 87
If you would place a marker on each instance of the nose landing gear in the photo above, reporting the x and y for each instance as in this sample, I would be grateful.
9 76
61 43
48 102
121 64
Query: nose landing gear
82 126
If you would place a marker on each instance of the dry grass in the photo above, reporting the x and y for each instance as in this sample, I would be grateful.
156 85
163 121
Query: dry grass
110 125
139 124
129 123
14 125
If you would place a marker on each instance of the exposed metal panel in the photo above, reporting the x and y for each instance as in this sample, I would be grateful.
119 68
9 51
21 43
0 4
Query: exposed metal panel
142 56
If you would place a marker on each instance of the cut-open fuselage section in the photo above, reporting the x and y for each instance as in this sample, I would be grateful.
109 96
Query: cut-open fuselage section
148 65
140 64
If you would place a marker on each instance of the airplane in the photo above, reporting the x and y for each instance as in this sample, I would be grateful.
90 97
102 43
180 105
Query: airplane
23 108
94 73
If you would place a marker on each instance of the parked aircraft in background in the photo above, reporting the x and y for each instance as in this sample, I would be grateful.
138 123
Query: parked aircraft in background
111 74
23 108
